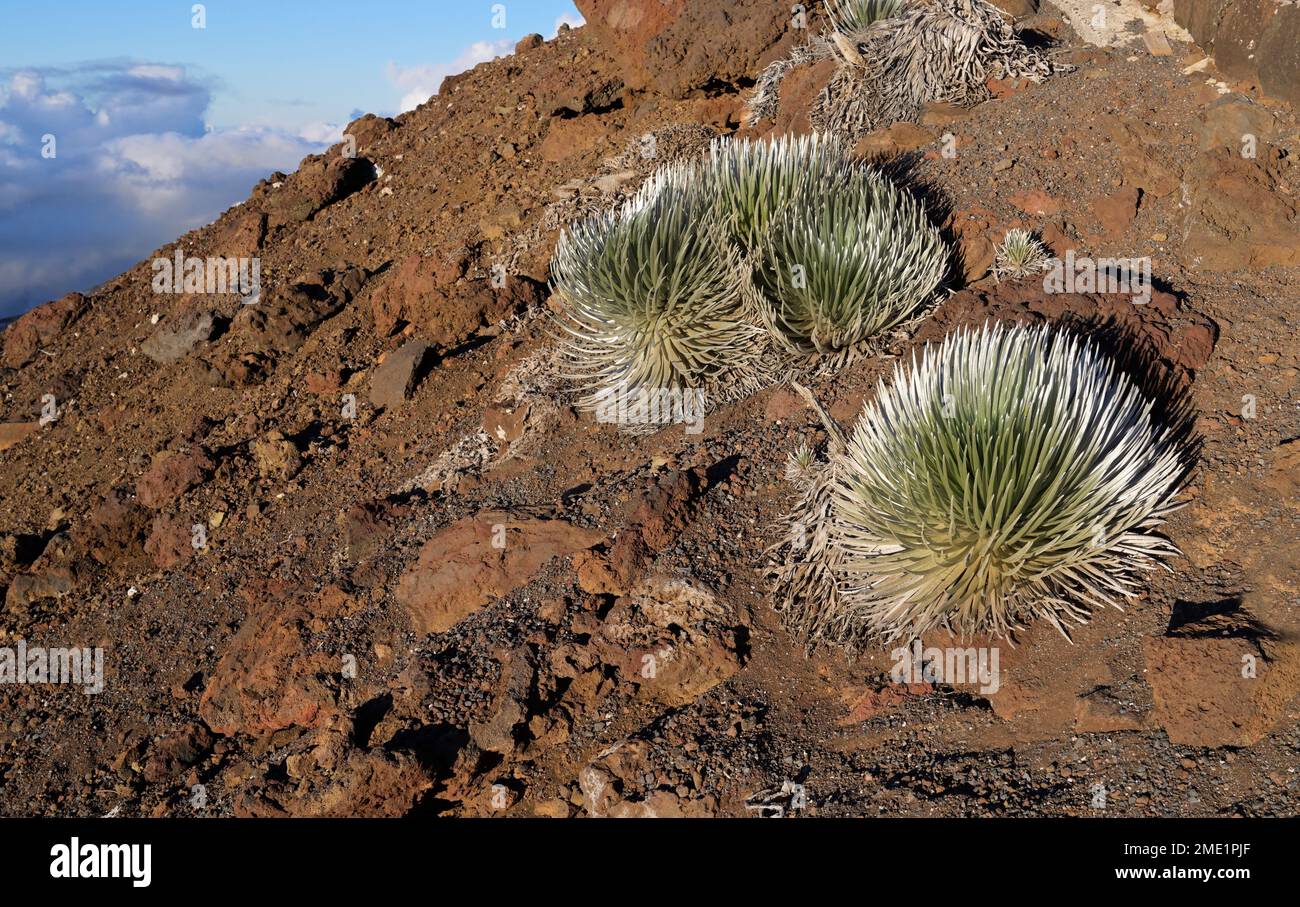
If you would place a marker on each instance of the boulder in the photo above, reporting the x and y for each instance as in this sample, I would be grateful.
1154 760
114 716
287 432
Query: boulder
12 433
1217 683
429 293
529 42
171 474
658 43
283 322
396 378
329 777
474 560
369 129
320 181
1229 121
171 755
1116 211
1201 19
1017 9
268 678
276 457
1238 216
1251 40
176 337
113 533
798 94
28 588
896 139
240 235
170 542
40 326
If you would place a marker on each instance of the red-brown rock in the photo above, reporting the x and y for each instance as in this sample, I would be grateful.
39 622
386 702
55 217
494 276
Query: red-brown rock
12 433
1238 216
40 326
1203 696
658 42
479 558
1116 211
171 474
267 679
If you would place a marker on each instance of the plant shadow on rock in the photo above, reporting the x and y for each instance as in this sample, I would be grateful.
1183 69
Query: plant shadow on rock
436 747
905 169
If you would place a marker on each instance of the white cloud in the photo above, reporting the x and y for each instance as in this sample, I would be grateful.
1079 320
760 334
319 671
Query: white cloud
136 167
158 71
186 180
573 20
26 85
420 82
322 133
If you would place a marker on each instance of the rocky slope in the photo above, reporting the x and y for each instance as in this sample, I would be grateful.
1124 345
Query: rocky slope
349 551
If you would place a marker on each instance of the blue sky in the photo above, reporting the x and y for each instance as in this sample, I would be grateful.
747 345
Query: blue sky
159 126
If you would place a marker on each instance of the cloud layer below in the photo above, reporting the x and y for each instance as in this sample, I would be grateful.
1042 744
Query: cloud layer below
421 82
105 162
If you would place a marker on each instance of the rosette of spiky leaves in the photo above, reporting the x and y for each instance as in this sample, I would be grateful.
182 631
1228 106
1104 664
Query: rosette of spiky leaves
650 298
753 181
1020 255
848 17
1012 471
837 269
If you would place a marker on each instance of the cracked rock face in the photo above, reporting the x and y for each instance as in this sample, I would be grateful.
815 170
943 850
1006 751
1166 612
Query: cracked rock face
659 47
1250 39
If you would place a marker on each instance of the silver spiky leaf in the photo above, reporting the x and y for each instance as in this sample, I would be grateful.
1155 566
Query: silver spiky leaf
937 50
941 50
801 467
849 17
753 181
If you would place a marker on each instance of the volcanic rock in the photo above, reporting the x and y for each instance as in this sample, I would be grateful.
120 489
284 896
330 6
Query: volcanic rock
477 559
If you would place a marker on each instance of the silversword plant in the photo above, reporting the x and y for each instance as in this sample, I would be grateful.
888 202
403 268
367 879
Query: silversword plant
1020 255
836 269
690 283
1011 471
650 297
896 57
753 181
849 17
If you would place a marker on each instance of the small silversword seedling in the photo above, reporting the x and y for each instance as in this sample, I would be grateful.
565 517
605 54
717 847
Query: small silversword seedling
1012 471
650 299
801 465
836 269
1020 255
